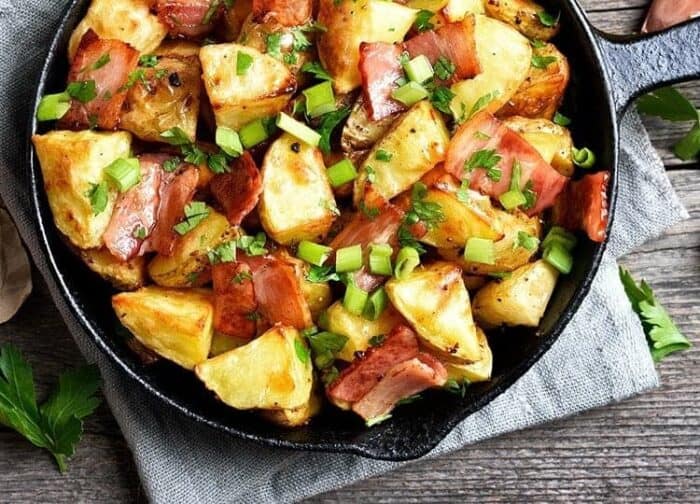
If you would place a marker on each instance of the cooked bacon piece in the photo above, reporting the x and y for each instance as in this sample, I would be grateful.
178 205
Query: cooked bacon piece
108 63
135 212
380 68
584 205
452 41
355 381
234 300
285 12
485 132
439 177
403 380
185 18
239 190
665 13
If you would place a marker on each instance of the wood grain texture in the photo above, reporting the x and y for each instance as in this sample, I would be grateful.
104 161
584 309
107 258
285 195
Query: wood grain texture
646 449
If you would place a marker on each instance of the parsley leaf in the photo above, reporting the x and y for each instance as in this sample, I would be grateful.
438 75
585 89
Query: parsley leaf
316 69
383 155
223 253
172 164
542 62
325 346
457 387
302 351
377 340
662 334
83 91
273 44
486 159
241 277
253 245
547 19
101 61
218 163
328 123
321 274
98 195
148 60
444 68
441 98
482 102
195 212
427 212
561 119
422 22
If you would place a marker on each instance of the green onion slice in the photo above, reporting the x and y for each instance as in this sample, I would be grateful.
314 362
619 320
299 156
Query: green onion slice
559 257
419 69
319 99
124 173
512 199
243 62
298 129
585 158
407 260
53 106
313 253
561 236
253 133
480 250
355 299
409 93
376 304
380 259
229 141
341 173
348 259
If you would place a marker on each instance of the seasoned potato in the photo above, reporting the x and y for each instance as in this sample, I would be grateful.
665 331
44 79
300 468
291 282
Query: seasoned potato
72 163
262 91
318 296
129 275
295 417
478 371
417 142
222 343
436 303
127 20
504 55
360 133
522 15
448 11
542 92
552 141
266 373
297 202
357 328
176 324
168 102
350 23
178 48
188 263
519 299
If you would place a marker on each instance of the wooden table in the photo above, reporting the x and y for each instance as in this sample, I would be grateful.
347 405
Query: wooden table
646 449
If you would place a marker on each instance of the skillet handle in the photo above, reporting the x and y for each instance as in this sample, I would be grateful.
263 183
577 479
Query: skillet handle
636 65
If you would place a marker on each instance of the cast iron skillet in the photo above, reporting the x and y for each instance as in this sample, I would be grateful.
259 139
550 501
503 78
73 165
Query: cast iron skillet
607 72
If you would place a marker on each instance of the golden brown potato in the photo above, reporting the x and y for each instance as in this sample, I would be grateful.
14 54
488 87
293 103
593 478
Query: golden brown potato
271 372
177 48
417 141
542 92
519 299
504 55
176 324
295 417
360 133
262 91
128 275
297 202
188 265
435 301
350 23
72 164
524 15
478 371
553 142
448 11
127 20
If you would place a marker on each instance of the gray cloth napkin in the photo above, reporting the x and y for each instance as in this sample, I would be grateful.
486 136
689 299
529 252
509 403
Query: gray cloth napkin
601 357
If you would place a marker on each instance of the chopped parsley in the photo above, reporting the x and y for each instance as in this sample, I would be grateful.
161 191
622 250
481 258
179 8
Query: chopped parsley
83 91
547 19
99 196
316 69
444 68
377 340
457 387
441 98
172 164
371 174
422 22
561 119
218 163
148 60
537 43
370 212
302 351
243 62
241 277
101 61
195 213
140 233
542 62
486 159
273 44
383 155
427 212
321 274
530 195
223 253
175 136
253 245
328 123
253 316
482 102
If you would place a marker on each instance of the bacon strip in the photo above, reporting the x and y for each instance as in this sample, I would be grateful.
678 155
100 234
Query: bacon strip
584 205
485 132
284 12
108 63
239 190
380 68
234 300
185 18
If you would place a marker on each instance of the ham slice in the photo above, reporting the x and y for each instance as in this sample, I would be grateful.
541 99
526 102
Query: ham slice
284 12
584 205
234 300
185 18
238 191
108 63
403 380
485 132
380 68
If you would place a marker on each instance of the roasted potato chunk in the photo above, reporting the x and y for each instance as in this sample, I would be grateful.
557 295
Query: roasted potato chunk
552 141
360 132
171 101
350 23
436 303
524 16
542 92
188 264
267 373
478 371
504 55
417 141
295 417
127 20
517 300
357 328
129 275
297 202
222 343
72 164
262 91
448 11
175 324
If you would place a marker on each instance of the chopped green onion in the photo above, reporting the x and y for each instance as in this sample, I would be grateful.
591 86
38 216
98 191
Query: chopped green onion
561 119
53 106
380 259
298 129
98 194
419 69
561 236
409 93
348 259
559 257
480 250
512 199
253 133
407 260
355 299
313 253
527 241
124 173
382 155
243 62
547 19
341 173
319 99
583 157
376 304
229 142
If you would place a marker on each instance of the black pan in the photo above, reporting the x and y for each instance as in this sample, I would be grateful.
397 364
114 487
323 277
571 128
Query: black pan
608 72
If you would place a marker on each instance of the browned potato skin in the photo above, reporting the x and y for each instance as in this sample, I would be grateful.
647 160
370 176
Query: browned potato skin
543 90
295 417
552 141
522 15
129 275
